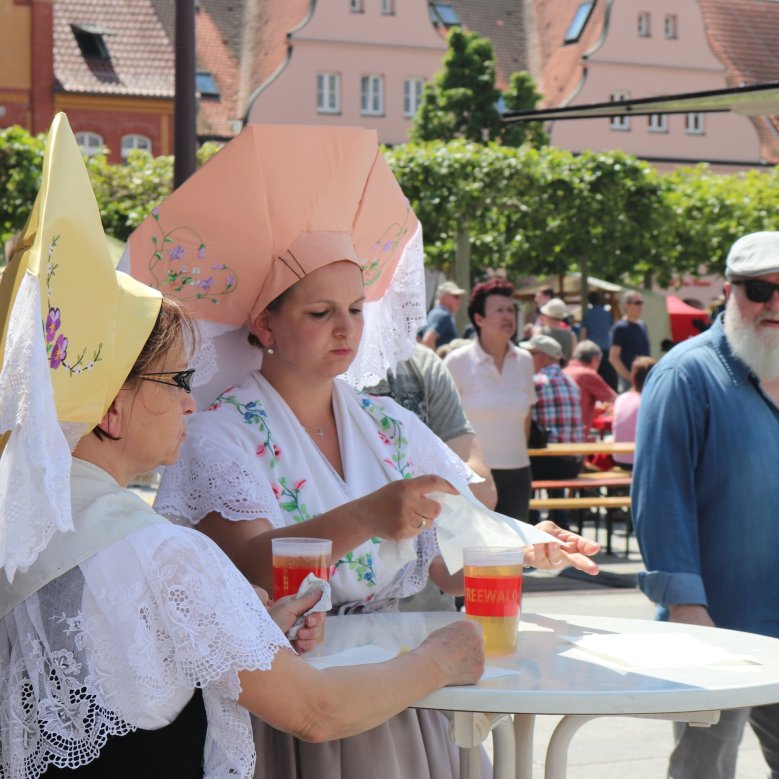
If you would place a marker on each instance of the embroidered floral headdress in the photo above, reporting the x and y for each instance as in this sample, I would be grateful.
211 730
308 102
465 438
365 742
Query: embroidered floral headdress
275 204
71 328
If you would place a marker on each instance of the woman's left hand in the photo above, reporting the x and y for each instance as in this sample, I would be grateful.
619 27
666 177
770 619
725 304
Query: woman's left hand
286 610
573 550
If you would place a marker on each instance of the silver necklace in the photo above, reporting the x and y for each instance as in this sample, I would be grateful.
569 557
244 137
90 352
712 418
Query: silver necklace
320 431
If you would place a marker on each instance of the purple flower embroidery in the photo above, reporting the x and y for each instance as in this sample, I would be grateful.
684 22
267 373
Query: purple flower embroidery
176 253
155 212
229 281
59 352
205 284
52 324
201 251
218 266
388 247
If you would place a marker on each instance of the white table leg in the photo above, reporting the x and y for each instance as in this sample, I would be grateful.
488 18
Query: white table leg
468 730
523 745
503 749
557 751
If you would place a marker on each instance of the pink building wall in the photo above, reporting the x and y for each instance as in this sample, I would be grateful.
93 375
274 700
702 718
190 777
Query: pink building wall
625 62
398 46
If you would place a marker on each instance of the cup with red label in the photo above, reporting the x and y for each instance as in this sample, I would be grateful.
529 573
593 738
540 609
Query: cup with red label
294 559
493 593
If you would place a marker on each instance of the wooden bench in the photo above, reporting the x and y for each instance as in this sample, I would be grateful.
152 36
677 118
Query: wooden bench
581 502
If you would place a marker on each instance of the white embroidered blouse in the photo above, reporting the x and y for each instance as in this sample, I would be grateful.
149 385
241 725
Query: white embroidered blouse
247 457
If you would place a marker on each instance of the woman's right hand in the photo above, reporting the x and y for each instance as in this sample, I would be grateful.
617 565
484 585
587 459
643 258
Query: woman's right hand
401 509
458 649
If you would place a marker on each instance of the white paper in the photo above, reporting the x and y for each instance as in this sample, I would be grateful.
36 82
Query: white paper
464 522
363 655
650 650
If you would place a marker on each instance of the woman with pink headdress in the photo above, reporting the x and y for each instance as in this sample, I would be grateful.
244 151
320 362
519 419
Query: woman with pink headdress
325 276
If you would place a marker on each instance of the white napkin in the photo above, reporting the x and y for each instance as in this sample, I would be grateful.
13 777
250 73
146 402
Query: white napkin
370 653
463 522
311 582
650 650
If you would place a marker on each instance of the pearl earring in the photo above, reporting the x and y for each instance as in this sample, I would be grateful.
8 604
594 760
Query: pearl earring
269 350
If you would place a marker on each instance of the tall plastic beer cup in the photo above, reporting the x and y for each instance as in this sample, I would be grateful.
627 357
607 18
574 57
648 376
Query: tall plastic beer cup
296 558
493 592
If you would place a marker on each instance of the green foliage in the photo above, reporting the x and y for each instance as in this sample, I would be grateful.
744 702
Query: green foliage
461 99
21 160
522 95
534 211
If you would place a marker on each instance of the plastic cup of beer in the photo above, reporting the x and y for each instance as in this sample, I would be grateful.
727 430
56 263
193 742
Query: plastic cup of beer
493 592
296 558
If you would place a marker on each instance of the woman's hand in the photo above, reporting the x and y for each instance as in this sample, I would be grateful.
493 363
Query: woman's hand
458 650
401 509
285 612
573 550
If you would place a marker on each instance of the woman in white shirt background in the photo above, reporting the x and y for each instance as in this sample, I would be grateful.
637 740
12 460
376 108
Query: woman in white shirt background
495 381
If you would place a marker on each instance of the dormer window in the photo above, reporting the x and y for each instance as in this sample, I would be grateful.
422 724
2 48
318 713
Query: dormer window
91 41
578 22
205 84
443 15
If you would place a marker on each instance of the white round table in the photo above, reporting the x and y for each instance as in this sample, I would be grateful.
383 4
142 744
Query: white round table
550 675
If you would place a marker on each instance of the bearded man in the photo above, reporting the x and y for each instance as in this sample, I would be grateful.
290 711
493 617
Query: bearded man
706 489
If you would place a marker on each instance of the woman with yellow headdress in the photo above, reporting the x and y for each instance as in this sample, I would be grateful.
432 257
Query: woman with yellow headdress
301 238
130 646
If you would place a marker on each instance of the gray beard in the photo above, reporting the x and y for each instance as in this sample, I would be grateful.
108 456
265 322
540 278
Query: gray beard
759 351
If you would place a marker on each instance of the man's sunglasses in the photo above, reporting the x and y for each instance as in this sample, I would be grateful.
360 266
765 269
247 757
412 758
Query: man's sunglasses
181 379
757 291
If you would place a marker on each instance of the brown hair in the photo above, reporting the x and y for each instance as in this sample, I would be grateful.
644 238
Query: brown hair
639 371
481 292
274 305
172 330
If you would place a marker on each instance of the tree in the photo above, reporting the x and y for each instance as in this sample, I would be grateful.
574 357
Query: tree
21 160
522 95
461 99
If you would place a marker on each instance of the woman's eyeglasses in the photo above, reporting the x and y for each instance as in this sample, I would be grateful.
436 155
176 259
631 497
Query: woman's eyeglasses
756 290
181 379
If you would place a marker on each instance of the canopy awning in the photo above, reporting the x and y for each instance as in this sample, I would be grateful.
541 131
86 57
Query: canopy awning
686 321
754 100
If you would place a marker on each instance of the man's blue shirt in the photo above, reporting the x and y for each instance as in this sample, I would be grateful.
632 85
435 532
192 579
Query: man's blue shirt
598 322
706 486
441 320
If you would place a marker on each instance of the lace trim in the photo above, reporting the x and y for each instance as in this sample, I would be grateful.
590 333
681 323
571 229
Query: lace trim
35 465
98 652
205 479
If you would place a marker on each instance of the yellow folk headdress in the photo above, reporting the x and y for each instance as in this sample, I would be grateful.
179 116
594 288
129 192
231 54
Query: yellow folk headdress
71 328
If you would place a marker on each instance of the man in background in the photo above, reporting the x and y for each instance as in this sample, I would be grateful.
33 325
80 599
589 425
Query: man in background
596 326
440 327
583 369
706 492
629 339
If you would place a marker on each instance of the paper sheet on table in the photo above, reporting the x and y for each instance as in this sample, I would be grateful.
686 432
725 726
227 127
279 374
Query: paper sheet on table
650 650
362 655
463 522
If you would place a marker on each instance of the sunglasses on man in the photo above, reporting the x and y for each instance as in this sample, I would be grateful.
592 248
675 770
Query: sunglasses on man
756 290
181 379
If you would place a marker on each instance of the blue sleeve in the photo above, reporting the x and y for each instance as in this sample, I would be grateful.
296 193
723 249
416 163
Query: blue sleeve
434 320
670 433
617 335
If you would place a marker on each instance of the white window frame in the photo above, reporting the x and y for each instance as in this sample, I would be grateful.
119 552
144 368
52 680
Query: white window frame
328 93
356 6
657 123
644 24
694 123
90 143
671 26
133 141
620 123
388 7
412 96
372 95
